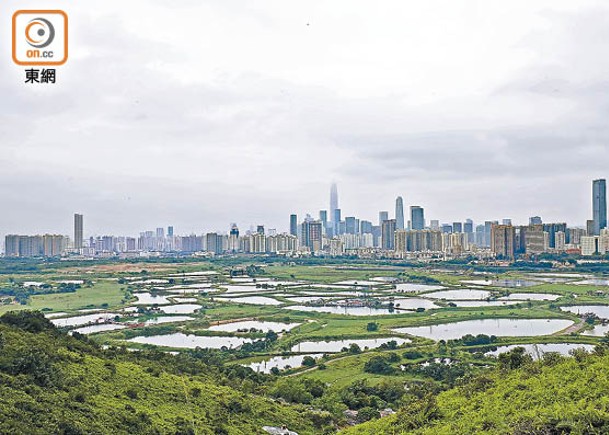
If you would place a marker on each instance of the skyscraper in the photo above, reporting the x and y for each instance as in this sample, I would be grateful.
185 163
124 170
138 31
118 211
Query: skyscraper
417 217
388 235
294 225
333 208
78 227
399 213
323 217
312 235
599 205
383 216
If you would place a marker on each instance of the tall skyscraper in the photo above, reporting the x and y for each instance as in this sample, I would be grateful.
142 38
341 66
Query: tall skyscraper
323 217
383 216
78 228
333 208
417 217
503 241
388 235
170 231
399 213
336 218
294 225
599 205
312 235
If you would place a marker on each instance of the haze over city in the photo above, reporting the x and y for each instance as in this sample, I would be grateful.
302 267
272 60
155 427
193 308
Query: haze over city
483 110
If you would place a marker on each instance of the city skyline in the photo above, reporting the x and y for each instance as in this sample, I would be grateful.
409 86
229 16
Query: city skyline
416 221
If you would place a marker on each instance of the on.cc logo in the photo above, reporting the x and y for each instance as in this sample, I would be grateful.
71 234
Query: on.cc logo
39 32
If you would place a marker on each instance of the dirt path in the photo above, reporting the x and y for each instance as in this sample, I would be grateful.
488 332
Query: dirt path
576 327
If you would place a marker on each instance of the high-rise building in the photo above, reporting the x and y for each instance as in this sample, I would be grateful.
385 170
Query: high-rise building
457 227
534 239
535 220
293 225
170 231
599 205
399 213
507 221
336 222
233 238
590 227
334 208
468 228
417 217
552 229
503 241
323 217
78 231
434 224
351 225
214 243
312 235
383 216
388 235
365 227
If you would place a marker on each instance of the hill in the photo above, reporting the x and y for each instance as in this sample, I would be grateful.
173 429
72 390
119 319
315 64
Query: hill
54 383
556 395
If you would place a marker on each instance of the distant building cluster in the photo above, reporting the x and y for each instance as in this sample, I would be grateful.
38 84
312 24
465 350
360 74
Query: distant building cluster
331 234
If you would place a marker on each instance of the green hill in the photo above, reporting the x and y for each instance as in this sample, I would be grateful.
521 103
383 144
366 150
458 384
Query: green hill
558 395
54 383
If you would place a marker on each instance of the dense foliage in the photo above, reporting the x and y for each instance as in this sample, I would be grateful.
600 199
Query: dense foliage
54 383
556 395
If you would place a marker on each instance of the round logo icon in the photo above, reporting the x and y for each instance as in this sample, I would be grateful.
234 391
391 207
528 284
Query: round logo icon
39 33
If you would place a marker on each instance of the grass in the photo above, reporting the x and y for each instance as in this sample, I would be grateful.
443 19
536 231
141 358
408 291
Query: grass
102 292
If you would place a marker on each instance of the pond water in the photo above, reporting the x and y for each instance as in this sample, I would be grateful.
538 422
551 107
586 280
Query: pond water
182 300
181 340
465 304
602 311
99 328
304 299
536 350
357 282
349 311
459 295
530 296
341 293
598 331
83 320
413 303
497 327
242 288
254 300
150 299
416 288
337 345
281 362
167 319
512 283
190 291
257 324
180 309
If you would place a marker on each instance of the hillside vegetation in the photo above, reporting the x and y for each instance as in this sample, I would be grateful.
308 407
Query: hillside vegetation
54 383
557 395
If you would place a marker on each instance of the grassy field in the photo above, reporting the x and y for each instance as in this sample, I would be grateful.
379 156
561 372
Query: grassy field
102 292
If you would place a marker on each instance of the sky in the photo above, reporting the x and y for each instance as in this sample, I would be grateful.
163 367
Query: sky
198 114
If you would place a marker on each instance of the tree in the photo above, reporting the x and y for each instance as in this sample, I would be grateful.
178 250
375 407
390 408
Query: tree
372 326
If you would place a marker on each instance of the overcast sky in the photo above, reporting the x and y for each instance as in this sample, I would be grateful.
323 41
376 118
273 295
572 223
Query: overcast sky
198 114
